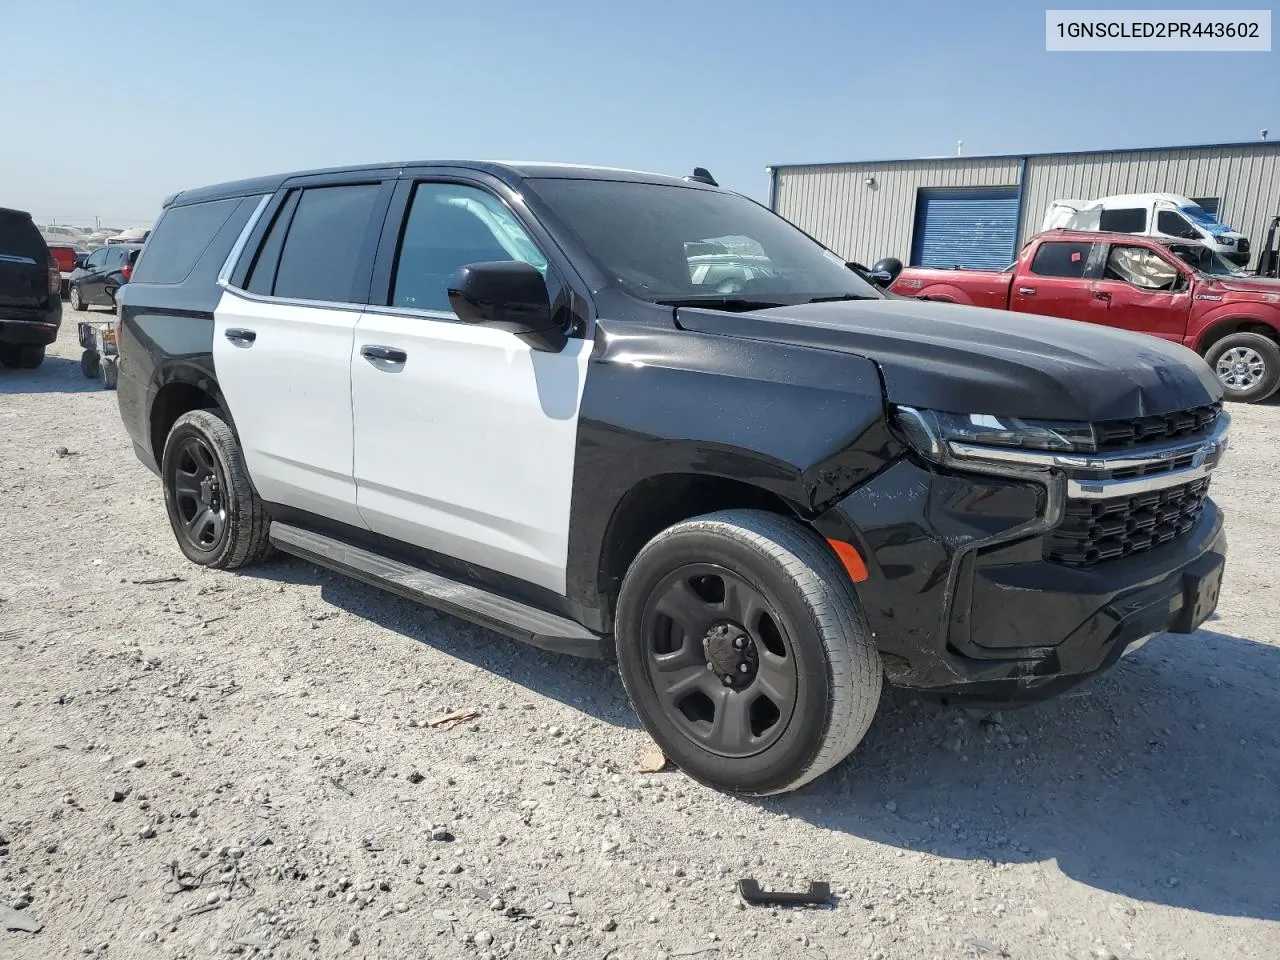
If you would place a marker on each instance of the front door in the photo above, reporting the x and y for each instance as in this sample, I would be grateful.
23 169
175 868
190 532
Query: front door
1141 290
464 435
92 282
282 350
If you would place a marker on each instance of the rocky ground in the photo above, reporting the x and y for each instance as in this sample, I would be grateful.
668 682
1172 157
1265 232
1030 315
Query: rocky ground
196 763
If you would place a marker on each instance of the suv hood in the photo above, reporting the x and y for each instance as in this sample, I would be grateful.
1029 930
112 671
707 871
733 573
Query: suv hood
944 356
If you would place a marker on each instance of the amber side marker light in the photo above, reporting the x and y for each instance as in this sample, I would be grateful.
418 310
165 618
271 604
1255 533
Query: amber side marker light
852 561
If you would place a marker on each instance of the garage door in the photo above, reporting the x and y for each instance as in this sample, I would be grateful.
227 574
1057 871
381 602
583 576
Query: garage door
974 228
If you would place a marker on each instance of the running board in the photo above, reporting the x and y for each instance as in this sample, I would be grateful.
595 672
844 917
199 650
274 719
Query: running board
511 618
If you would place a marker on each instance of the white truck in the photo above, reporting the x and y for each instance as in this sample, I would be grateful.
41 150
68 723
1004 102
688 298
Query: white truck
1153 215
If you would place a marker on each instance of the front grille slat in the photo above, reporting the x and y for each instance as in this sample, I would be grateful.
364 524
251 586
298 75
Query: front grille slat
1133 431
1096 530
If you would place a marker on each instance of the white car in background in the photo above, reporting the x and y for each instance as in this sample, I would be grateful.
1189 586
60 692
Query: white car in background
1151 215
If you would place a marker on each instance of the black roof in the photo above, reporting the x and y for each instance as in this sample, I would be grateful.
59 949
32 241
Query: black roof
510 173
16 213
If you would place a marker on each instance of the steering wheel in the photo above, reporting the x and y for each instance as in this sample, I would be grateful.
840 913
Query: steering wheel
731 286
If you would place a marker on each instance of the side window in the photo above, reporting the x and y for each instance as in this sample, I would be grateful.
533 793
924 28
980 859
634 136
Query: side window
1061 260
1141 268
181 236
318 260
116 258
449 226
1125 220
96 259
262 275
1176 225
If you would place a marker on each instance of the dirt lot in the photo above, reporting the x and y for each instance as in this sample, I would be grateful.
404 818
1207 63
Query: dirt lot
196 763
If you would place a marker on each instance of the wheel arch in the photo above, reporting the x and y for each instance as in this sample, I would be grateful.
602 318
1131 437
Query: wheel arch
657 502
1221 327
182 390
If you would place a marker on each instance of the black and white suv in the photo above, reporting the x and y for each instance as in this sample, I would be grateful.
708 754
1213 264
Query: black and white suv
522 394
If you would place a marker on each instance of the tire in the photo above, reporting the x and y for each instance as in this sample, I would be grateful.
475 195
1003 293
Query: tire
110 374
21 356
216 515
803 622
77 298
1247 365
90 364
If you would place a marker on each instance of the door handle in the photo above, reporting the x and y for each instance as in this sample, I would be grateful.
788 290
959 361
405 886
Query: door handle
1027 291
238 335
1101 295
383 354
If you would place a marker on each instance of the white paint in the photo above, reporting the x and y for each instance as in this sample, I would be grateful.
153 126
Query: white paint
468 447
289 394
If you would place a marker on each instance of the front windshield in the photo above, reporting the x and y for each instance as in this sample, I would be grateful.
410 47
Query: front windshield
1198 214
666 243
1204 260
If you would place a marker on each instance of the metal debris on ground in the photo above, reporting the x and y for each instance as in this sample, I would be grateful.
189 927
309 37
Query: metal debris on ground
150 581
818 894
450 720
653 760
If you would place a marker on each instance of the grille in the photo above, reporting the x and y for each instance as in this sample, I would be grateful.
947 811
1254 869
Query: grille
1119 434
1096 530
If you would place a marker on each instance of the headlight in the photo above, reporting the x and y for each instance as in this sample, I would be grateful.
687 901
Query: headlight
932 432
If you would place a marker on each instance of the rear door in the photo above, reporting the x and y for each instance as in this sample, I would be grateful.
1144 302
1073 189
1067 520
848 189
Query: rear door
24 265
465 435
1145 291
282 344
1055 283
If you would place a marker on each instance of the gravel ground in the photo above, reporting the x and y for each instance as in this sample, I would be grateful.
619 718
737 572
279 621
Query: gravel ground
196 763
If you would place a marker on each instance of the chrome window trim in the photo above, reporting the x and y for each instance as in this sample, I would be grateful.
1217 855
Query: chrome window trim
347 305
237 248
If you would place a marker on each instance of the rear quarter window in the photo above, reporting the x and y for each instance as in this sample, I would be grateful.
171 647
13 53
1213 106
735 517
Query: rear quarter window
181 236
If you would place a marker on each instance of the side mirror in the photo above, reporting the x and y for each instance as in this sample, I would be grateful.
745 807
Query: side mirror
885 271
509 295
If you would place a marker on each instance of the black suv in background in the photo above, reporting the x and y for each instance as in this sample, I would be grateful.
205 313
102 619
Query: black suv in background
620 414
30 292
104 272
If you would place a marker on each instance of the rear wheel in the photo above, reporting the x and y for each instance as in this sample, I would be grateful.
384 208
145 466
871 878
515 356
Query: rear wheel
90 363
745 652
216 514
21 356
110 374
1248 366
77 298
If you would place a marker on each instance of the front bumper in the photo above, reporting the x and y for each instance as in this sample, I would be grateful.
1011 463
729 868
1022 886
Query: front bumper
963 603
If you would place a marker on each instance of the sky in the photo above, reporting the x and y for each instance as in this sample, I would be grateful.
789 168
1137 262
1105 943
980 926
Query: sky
108 108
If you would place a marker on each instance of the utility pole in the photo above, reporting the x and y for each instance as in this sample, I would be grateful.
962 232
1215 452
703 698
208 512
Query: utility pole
959 148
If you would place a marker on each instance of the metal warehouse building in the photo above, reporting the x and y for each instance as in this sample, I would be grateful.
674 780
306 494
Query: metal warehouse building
978 211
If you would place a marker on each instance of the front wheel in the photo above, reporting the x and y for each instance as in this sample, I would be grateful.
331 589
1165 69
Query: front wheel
744 650
1248 366
215 512
77 299
90 364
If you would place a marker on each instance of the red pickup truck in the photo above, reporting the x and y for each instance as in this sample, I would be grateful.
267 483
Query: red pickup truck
1171 289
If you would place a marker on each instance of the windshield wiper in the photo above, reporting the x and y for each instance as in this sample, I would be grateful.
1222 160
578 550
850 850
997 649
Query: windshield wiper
843 296
733 304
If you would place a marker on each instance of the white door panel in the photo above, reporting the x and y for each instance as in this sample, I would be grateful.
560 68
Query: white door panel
468 447
290 397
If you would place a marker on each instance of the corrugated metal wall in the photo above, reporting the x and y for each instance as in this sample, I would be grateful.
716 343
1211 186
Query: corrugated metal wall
866 223
1246 179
